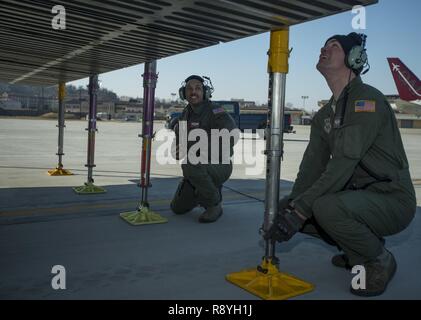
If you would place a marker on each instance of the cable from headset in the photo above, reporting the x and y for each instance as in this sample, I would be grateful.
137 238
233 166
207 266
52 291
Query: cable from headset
363 44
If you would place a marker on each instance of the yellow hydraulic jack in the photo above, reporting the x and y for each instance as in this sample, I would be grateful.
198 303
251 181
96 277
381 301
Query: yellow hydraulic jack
89 187
143 215
59 170
266 281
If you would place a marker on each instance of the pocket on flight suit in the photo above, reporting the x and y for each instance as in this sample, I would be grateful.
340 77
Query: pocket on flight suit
353 142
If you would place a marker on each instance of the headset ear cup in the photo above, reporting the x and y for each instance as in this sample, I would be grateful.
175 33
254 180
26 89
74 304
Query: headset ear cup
356 58
206 92
363 58
351 57
182 93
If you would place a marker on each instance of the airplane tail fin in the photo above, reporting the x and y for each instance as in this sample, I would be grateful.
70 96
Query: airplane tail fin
409 86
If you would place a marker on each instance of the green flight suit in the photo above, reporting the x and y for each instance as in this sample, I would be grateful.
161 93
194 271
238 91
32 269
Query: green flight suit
354 183
202 182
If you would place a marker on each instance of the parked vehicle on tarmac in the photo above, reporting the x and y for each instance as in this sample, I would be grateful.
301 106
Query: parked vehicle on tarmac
251 119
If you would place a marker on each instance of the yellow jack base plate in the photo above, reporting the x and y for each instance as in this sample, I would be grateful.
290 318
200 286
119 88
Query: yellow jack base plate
268 283
59 172
89 188
142 216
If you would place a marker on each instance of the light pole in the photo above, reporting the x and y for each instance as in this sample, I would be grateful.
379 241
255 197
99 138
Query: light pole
80 102
304 101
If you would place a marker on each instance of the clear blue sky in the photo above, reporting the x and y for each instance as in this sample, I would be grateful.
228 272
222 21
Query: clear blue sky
238 68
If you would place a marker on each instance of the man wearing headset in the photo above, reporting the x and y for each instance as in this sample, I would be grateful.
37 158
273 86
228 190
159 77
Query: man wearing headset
202 182
353 186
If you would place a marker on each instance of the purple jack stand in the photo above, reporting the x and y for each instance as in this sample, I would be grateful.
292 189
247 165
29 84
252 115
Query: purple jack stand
89 187
143 215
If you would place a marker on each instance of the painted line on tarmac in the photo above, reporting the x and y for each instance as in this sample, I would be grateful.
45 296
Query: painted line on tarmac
164 211
122 205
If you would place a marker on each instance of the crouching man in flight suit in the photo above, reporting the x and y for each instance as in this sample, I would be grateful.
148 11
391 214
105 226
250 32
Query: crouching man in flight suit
353 186
202 182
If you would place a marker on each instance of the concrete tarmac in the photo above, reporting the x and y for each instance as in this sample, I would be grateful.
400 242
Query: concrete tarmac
44 223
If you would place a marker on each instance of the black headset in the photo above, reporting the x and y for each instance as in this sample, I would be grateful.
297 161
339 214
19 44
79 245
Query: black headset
206 83
357 58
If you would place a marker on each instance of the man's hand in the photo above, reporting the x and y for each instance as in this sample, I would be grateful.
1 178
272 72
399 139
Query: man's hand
285 225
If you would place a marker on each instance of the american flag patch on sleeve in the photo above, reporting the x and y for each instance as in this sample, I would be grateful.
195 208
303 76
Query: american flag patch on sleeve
218 110
365 106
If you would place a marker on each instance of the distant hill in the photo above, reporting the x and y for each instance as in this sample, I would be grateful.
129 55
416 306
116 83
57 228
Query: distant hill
72 92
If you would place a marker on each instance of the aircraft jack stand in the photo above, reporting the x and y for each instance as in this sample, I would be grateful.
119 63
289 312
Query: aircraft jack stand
89 188
142 216
267 282
59 171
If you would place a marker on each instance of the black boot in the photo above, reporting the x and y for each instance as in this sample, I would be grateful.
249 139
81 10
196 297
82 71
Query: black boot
378 272
211 214
342 261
